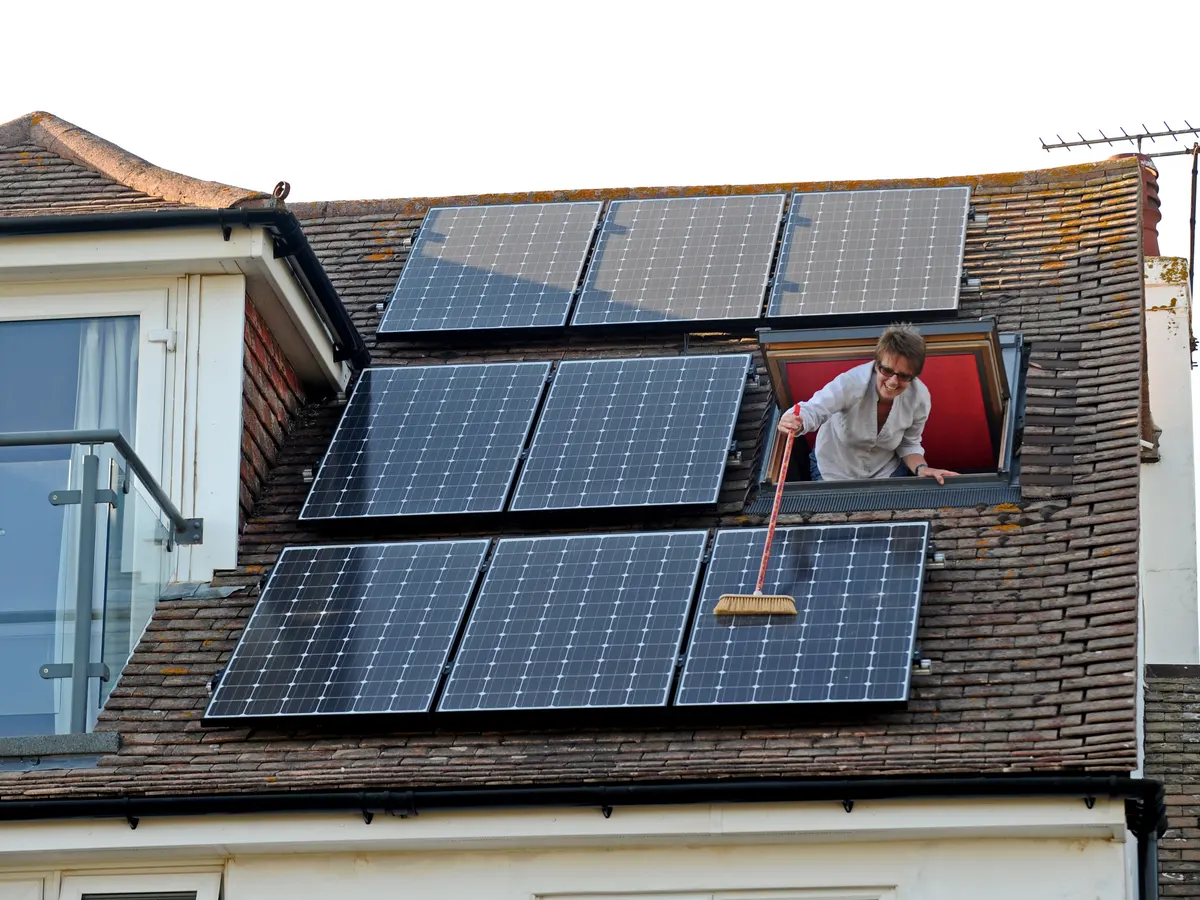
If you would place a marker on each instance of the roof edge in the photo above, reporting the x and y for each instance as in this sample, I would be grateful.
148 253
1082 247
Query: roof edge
1145 808
86 149
414 206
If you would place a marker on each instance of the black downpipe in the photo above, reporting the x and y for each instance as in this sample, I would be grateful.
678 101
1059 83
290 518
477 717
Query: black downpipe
290 241
1148 865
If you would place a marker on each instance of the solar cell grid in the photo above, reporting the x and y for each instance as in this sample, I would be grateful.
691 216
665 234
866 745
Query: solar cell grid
504 266
634 432
580 621
697 258
350 629
418 440
848 252
857 591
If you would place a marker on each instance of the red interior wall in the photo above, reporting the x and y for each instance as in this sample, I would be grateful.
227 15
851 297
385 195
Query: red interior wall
956 435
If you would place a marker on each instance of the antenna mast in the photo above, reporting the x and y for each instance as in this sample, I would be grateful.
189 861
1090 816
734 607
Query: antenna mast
1135 138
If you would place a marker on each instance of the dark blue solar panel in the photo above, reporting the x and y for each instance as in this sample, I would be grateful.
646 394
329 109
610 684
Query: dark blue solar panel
857 589
634 432
350 629
579 621
510 266
421 440
698 258
848 252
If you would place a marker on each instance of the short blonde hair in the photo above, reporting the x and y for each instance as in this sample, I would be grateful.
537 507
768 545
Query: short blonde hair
904 340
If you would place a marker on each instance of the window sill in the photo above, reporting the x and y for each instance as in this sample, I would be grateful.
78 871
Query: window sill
887 493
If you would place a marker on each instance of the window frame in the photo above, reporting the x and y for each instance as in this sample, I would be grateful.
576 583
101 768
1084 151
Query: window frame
207 885
1004 363
151 306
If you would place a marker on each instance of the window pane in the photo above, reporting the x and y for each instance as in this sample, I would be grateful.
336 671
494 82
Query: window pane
70 374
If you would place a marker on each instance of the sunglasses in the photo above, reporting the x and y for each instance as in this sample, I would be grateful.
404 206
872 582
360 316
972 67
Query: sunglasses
888 373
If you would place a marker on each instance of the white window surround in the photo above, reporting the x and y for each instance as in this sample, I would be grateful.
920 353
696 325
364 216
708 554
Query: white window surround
189 408
205 885
840 893
21 889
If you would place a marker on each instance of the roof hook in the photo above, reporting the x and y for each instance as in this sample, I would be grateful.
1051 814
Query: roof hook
281 191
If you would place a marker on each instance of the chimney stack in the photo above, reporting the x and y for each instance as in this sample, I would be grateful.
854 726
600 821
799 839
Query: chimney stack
1151 205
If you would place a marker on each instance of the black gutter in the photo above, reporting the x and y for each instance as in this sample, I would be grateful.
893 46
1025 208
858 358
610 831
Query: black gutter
290 241
1146 795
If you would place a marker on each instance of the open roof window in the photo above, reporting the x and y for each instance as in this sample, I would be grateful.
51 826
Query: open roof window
975 376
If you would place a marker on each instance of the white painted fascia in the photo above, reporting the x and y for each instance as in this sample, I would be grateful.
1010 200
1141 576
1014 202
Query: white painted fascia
292 315
29 843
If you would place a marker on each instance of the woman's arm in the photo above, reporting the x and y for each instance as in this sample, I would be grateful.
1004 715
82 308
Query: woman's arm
917 465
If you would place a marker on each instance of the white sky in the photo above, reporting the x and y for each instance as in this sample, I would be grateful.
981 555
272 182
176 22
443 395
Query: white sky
350 100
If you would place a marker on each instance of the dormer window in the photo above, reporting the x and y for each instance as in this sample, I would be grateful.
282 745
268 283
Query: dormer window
970 370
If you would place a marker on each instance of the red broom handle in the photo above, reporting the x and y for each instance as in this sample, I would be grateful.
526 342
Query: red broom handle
783 468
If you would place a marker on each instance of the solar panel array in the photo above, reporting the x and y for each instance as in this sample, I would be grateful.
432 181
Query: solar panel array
857 590
418 440
511 266
351 629
581 621
634 432
682 259
850 252
697 258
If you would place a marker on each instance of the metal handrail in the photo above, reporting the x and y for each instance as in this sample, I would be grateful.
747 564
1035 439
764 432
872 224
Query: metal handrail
184 530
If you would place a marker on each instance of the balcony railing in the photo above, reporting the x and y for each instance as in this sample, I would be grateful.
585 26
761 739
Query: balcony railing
111 544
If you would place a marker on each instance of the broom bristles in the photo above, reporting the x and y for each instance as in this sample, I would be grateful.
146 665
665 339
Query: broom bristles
755 605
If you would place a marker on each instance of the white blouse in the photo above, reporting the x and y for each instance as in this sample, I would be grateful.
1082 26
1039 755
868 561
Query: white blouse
851 445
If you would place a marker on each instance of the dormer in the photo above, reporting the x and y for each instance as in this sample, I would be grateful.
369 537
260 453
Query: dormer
186 318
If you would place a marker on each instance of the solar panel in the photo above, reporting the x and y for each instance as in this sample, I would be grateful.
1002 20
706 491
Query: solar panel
847 252
857 591
634 432
511 266
580 621
350 629
688 258
423 440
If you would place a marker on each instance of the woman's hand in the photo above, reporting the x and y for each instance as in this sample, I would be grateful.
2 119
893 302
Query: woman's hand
930 472
790 423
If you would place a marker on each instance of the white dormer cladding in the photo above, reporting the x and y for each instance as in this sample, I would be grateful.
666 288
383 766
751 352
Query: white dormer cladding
188 287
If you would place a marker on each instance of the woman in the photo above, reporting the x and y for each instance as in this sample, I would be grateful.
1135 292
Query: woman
873 415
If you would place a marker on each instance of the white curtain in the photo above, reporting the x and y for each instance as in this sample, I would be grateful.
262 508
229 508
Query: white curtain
105 397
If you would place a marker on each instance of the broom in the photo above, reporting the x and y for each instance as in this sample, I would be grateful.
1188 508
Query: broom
758 603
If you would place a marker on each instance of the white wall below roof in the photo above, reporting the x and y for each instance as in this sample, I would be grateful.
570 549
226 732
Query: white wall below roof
897 849
1168 487
929 870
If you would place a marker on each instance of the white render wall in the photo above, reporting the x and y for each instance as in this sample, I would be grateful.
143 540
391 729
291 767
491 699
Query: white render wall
1168 488
882 850
929 870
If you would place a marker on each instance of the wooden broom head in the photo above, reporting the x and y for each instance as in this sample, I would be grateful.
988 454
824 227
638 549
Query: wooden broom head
755 605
